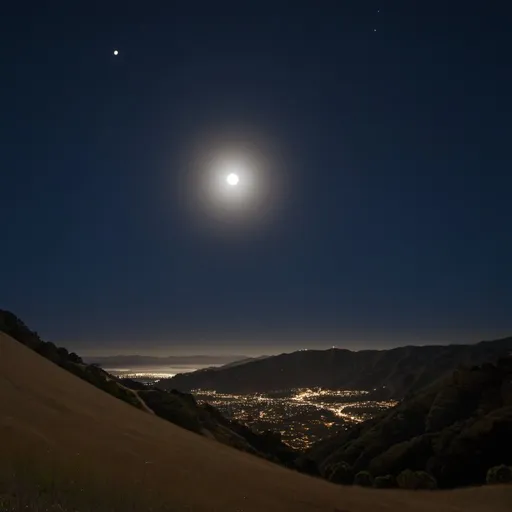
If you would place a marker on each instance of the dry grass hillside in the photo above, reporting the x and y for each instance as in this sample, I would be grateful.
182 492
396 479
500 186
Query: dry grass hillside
66 445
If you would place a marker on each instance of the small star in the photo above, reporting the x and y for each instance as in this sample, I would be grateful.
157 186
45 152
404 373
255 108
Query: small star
116 52
375 30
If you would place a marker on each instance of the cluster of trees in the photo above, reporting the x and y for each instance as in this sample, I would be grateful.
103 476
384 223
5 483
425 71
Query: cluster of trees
343 473
454 431
14 327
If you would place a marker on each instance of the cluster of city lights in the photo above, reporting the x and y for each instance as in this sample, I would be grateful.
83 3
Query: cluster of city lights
302 416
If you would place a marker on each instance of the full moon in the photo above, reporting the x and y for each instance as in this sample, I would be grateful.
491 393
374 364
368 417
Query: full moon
231 187
232 179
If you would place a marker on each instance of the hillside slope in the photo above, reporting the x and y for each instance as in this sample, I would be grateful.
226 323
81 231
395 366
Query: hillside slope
174 406
401 370
455 429
107 450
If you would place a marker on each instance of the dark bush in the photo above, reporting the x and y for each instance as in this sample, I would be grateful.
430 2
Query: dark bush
74 358
406 479
499 475
409 479
63 353
425 480
385 482
339 473
364 479
49 350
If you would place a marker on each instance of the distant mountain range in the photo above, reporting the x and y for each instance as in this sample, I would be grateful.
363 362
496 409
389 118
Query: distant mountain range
395 372
123 361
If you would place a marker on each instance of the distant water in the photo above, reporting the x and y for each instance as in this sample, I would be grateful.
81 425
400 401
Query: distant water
155 372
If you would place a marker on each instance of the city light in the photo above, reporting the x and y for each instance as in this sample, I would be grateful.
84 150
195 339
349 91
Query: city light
302 416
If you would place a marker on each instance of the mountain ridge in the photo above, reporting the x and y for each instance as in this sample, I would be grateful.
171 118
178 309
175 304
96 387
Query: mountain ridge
456 429
398 371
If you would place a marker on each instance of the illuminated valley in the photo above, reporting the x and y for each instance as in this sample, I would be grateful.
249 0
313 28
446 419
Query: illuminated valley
302 416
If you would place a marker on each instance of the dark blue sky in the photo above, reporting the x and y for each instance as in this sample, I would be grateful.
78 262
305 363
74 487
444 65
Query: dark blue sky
388 132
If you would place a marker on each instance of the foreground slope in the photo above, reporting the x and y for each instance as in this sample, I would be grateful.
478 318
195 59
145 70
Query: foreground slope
400 370
78 434
174 406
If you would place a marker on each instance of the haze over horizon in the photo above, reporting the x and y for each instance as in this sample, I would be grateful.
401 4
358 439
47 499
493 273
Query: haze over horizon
234 351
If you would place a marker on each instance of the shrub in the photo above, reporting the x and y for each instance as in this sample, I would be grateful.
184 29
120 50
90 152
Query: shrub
62 352
75 358
327 471
364 479
425 480
409 479
339 473
499 475
49 350
385 482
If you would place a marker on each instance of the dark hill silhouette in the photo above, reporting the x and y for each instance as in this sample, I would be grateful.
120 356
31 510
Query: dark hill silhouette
401 370
455 429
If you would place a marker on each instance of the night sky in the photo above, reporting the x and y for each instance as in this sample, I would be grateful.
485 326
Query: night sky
379 134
